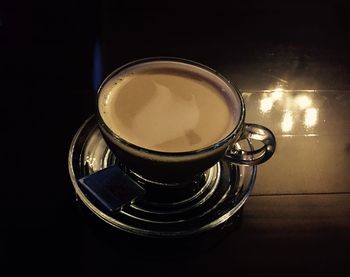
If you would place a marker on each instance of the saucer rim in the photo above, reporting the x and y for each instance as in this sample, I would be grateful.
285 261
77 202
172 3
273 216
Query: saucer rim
144 232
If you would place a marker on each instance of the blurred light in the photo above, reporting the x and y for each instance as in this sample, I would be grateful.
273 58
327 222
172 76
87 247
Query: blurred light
287 122
303 101
266 104
97 70
107 99
277 94
90 161
311 117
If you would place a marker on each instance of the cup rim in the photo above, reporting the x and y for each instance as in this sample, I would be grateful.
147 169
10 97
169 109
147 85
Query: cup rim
213 146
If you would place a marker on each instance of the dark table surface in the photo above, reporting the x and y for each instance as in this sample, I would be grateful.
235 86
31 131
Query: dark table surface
292 64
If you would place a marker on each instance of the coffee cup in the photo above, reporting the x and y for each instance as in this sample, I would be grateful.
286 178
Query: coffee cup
168 120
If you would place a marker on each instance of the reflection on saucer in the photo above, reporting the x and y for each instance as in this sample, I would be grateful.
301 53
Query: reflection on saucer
224 189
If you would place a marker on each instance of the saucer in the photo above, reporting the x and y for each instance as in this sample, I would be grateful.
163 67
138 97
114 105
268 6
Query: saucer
225 188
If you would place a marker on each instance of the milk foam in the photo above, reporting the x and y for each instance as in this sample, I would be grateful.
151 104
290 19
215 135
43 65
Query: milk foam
168 106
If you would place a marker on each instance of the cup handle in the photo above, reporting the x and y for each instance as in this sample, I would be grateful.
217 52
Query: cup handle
253 157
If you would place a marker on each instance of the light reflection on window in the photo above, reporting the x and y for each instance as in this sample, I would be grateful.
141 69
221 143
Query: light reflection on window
287 122
303 101
311 117
277 94
266 104
298 110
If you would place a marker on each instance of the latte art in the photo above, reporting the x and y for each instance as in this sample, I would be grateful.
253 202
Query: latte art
168 107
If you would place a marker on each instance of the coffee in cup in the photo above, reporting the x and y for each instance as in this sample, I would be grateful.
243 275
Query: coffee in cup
168 120
169 106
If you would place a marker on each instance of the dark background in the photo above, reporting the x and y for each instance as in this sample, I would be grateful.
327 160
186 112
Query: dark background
48 89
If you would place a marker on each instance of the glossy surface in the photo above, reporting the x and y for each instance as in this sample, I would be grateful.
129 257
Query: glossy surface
312 129
220 194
